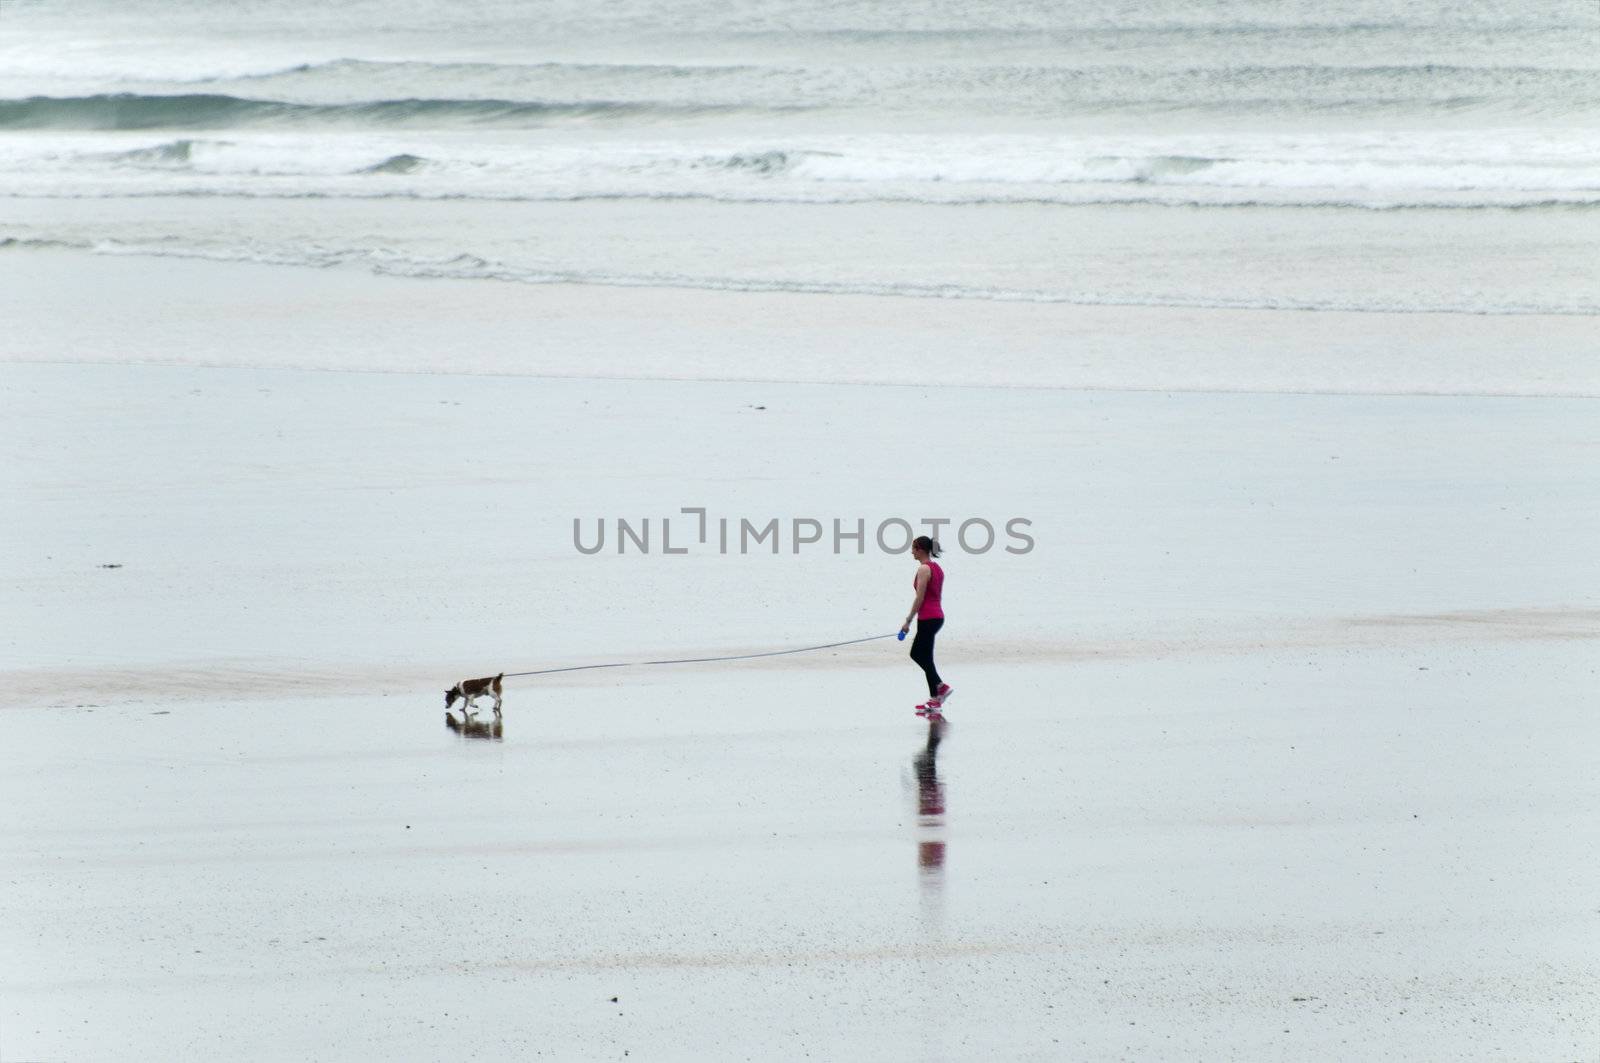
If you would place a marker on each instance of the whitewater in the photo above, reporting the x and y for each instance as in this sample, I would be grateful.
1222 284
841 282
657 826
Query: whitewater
1470 130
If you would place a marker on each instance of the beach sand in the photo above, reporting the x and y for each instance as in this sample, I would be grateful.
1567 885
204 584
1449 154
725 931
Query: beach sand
1278 744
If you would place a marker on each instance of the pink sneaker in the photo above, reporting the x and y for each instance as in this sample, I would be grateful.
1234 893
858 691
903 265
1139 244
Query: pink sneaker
944 693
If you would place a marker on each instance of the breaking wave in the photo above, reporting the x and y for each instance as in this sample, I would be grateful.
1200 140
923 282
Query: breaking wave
402 163
172 153
133 111
1447 172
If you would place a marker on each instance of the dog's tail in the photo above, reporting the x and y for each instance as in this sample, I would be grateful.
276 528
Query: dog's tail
499 677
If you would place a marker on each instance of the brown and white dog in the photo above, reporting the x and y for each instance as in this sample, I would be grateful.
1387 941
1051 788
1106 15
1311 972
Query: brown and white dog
470 690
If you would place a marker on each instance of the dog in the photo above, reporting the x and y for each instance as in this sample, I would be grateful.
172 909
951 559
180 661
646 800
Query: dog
470 690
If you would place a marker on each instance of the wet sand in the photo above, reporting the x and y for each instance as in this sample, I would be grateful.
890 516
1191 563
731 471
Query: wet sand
1276 747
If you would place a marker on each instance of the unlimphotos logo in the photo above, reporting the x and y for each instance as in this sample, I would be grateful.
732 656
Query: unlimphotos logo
741 535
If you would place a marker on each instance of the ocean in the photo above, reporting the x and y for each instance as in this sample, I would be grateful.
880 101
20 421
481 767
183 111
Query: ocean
1427 157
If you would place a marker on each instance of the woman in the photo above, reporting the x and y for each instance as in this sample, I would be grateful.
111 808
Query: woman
929 614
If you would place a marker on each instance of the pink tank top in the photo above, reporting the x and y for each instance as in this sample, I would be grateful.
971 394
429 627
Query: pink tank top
931 606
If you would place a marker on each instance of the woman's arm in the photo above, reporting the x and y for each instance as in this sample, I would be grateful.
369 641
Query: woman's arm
923 575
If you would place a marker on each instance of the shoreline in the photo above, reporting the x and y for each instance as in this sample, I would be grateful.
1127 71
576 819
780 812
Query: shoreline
346 319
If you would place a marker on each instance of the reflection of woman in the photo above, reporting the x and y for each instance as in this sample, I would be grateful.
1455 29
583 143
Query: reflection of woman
930 791
930 804
929 614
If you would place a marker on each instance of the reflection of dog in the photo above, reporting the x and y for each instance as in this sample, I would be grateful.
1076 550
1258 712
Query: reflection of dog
470 690
470 728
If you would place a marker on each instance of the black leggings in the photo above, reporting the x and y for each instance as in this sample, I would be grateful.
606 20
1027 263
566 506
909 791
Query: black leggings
922 650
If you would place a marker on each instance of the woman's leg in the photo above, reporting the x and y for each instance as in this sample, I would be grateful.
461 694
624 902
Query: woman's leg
922 651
